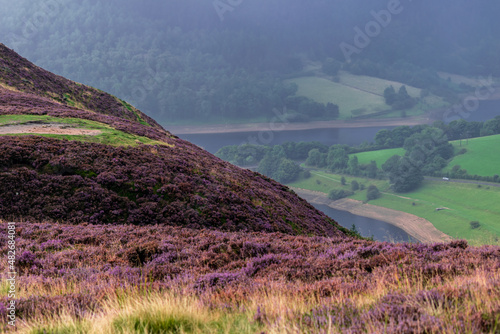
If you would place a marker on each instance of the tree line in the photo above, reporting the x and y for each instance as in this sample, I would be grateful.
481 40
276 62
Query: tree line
427 152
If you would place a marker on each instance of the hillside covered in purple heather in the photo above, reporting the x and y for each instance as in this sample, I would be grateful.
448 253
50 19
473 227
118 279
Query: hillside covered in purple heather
130 229
172 182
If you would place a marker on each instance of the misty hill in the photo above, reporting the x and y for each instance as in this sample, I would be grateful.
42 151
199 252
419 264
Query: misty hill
186 60
131 171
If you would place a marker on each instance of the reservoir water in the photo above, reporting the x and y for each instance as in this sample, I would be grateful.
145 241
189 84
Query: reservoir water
367 227
350 136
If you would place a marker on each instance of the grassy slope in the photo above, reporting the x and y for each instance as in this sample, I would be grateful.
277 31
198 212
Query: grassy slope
109 135
485 150
354 92
466 203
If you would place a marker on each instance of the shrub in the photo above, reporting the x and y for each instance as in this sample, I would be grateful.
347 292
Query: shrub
474 225
354 185
338 194
372 193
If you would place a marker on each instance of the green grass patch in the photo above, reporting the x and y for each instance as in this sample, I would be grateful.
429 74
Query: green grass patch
4 288
68 100
69 327
347 98
482 156
380 156
152 323
134 110
108 135
374 85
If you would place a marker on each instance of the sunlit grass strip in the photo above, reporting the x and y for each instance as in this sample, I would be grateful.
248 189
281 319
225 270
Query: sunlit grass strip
108 136
151 313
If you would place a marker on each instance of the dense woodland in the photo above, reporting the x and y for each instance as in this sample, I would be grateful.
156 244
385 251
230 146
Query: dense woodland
187 60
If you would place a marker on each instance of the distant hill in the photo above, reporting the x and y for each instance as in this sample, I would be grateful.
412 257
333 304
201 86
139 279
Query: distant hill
56 176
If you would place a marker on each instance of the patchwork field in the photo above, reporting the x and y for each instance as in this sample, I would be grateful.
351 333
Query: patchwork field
482 156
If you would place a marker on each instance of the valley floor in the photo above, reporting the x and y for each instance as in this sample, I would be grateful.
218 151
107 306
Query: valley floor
419 228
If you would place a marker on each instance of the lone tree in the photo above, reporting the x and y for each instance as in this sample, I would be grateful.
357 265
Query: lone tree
372 193
403 174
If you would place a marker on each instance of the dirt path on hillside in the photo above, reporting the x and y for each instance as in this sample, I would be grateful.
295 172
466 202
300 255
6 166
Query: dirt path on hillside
419 228
255 127
47 128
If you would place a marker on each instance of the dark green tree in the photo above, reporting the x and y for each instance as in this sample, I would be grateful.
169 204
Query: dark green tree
403 174
316 158
372 170
354 166
337 158
288 171
372 193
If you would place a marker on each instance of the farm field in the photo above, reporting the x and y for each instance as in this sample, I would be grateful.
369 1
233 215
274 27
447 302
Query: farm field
482 156
464 203
347 98
373 85
357 95
380 156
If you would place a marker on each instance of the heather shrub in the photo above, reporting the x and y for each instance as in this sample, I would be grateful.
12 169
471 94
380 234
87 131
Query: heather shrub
181 185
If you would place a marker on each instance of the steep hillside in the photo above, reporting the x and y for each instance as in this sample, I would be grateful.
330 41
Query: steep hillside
62 177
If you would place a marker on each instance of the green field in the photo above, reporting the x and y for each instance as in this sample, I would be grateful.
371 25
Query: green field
359 95
464 203
347 98
380 156
482 157
372 84
108 136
